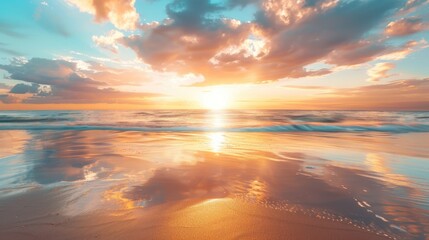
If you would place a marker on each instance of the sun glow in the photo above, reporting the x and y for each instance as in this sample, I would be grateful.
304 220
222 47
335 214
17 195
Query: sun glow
217 140
215 99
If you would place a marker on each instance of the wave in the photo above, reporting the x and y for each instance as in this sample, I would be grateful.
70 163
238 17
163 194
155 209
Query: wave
278 128
20 119
337 118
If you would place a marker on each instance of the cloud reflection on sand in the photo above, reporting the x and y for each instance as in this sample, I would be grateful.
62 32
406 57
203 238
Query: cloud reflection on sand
125 171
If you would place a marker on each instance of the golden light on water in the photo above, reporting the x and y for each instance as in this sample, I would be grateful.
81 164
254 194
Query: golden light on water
257 189
380 164
118 196
217 140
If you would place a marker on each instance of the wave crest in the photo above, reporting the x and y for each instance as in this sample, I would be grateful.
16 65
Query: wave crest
390 128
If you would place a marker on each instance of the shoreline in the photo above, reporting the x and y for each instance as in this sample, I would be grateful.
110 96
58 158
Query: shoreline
223 218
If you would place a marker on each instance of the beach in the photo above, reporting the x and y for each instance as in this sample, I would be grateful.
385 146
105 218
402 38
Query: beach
199 175
199 219
214 119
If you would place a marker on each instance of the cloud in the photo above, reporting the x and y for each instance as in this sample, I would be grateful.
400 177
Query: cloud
108 42
284 38
8 99
401 52
308 87
380 71
121 13
22 88
357 52
411 5
65 83
135 74
365 51
408 94
50 72
404 27
189 40
241 3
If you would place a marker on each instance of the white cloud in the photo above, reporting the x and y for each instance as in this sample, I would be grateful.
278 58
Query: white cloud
109 41
380 71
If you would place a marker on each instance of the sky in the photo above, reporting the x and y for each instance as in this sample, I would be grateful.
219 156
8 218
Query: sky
214 54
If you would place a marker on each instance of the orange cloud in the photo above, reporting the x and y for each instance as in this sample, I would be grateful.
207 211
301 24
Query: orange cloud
283 39
380 71
405 26
120 13
402 95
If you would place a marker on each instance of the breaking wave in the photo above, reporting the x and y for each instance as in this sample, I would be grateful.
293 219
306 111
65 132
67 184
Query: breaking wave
390 128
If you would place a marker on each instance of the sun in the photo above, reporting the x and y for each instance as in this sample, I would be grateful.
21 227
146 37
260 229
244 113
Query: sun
215 99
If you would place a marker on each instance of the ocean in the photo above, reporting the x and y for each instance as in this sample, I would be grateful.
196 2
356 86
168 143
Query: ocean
365 169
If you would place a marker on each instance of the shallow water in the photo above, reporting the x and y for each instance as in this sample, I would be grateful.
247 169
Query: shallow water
368 169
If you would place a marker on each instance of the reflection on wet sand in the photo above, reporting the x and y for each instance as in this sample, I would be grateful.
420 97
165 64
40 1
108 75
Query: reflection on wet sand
377 163
217 140
160 185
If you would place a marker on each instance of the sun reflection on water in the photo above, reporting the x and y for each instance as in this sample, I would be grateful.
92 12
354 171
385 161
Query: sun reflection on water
380 164
257 189
217 140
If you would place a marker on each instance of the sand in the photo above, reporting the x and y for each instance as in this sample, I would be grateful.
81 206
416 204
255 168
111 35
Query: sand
32 216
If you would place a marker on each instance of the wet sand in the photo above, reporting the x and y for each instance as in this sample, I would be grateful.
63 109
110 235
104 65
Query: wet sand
33 217
133 185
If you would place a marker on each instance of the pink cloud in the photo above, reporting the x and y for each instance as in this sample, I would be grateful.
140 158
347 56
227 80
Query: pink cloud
120 13
380 71
408 94
405 26
280 42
